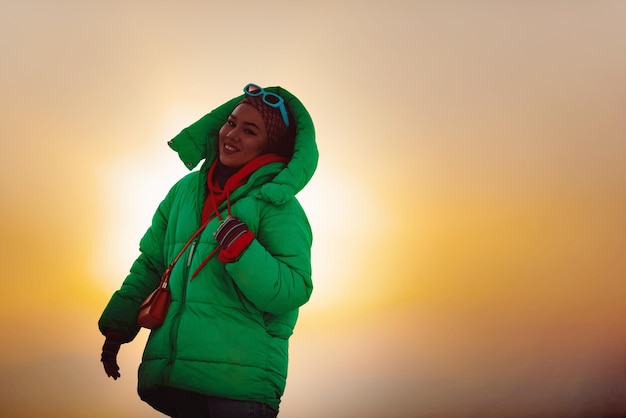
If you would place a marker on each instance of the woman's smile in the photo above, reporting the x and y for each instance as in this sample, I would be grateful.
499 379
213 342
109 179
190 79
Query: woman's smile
230 149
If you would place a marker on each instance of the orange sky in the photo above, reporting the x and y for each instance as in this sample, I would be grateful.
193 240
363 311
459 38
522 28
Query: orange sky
468 208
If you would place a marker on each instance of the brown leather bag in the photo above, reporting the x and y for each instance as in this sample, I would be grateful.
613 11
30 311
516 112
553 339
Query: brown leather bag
153 310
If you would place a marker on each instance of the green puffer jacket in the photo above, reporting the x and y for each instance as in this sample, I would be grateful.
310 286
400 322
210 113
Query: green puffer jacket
226 333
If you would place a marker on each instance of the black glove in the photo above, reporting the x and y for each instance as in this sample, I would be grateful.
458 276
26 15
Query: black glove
110 348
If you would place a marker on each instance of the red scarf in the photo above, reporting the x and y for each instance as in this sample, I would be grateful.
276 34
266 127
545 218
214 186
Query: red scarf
217 195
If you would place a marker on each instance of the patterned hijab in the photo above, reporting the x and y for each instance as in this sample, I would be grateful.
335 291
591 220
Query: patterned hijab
271 116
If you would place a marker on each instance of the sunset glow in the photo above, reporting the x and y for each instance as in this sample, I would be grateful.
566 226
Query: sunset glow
468 209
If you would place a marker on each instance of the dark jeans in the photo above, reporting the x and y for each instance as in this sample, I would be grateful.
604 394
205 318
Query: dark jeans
194 405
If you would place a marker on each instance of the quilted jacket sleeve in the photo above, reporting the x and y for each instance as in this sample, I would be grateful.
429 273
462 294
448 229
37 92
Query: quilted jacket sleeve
274 272
144 276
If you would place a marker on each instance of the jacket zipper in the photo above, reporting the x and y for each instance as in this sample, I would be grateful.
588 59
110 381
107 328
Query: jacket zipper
176 319
192 248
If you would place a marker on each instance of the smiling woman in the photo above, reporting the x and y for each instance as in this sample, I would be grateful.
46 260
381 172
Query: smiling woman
241 208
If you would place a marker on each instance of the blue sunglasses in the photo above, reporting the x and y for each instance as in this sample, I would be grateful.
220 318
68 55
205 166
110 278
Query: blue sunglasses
269 98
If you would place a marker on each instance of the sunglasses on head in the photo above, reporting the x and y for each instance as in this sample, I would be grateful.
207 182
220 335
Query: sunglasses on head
269 98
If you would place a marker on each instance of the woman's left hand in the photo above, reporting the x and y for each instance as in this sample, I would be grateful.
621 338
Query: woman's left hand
234 237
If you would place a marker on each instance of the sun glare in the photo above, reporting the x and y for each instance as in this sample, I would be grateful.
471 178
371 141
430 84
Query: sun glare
338 209
131 188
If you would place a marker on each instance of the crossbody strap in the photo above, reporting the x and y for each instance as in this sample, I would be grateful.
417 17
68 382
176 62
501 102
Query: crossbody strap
166 274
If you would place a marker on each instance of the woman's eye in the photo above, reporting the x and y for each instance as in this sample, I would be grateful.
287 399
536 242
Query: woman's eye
231 123
249 132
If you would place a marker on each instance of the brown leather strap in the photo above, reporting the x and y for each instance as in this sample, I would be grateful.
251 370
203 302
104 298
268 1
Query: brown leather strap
166 274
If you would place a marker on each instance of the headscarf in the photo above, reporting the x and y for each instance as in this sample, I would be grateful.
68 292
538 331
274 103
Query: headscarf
274 123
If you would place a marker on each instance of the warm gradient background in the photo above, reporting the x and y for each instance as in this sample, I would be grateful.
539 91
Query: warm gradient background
469 207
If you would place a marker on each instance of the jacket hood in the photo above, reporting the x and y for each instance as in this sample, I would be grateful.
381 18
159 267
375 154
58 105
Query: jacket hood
198 141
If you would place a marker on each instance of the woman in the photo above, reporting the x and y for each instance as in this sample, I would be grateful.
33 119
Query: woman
222 350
